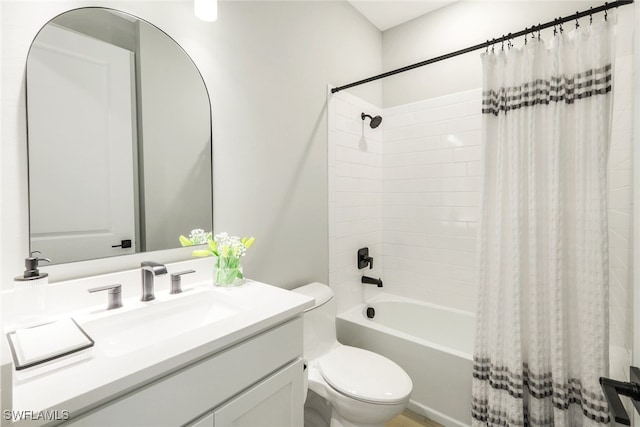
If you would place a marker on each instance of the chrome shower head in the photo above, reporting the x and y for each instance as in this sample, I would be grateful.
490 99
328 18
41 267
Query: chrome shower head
375 121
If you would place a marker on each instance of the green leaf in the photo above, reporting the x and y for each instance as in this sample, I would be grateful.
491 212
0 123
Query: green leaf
249 242
184 241
201 252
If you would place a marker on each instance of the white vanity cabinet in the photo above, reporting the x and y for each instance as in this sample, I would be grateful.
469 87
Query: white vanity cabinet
256 382
274 402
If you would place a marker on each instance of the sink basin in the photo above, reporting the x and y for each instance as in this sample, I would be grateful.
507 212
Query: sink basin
127 331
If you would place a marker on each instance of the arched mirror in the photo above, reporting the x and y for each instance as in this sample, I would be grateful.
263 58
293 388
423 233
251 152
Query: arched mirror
119 138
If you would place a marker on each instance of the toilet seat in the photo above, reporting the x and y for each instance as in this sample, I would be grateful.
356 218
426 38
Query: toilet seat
364 375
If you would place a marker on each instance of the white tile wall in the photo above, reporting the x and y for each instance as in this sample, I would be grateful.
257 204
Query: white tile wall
355 197
620 219
431 198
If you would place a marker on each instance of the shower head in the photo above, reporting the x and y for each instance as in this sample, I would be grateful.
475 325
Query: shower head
375 121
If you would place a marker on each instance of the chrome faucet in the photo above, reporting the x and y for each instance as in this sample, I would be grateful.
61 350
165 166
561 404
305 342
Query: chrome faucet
149 270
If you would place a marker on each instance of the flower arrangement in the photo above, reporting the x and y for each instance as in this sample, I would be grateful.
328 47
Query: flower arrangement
227 250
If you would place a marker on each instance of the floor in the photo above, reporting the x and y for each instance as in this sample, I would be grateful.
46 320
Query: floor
411 419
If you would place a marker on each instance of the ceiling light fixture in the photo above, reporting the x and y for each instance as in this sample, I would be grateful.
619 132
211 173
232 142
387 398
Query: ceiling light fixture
206 10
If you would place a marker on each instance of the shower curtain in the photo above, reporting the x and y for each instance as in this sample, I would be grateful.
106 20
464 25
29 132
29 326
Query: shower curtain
542 339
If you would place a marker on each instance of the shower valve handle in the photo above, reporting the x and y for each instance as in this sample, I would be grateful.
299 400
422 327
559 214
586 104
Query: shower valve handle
364 259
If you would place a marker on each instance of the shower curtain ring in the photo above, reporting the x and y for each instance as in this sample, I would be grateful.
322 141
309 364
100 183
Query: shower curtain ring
605 10
577 23
539 25
590 16
526 29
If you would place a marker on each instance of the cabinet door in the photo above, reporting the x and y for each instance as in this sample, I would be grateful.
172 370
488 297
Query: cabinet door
206 421
274 402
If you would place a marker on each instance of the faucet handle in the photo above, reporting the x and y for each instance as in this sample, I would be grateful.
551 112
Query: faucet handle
114 295
364 259
176 284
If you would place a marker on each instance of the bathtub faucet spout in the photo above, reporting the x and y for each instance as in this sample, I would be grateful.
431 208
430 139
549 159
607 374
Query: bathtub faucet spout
371 281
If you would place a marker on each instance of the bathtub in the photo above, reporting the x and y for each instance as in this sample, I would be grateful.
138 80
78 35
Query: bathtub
433 344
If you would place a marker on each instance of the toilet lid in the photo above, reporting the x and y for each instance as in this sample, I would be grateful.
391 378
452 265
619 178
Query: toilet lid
365 375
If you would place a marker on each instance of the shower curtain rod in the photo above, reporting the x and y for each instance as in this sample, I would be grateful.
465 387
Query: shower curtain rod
535 28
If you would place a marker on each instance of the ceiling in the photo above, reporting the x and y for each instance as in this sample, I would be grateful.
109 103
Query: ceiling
386 14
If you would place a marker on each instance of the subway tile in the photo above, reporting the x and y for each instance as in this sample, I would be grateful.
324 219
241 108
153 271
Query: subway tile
360 157
453 169
393 121
353 213
461 198
425 143
348 125
355 198
462 139
463 124
411 185
354 170
474 169
348 110
345 183
466 154
465 183
619 178
348 228
620 199
419 172
622 139
619 220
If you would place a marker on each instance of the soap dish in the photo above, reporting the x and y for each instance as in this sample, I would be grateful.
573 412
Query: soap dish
38 345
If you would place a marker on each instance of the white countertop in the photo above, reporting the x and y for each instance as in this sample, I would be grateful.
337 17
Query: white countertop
100 378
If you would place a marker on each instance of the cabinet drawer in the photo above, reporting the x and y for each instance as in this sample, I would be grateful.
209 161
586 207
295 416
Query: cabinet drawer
186 394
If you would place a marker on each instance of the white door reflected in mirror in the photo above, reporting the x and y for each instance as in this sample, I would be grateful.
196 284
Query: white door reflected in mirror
77 79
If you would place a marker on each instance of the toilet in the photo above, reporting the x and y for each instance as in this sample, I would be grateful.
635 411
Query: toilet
363 388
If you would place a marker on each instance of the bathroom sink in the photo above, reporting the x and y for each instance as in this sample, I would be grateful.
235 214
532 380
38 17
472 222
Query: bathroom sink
123 332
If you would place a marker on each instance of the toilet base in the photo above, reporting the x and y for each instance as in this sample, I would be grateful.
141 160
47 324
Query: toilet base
318 412
338 421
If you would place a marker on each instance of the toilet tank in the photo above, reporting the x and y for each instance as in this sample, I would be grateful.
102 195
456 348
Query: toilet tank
319 321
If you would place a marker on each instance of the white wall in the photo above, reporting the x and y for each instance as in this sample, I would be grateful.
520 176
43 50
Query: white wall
266 65
175 142
458 26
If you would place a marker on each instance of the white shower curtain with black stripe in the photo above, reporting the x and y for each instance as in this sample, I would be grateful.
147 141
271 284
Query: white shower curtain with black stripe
542 337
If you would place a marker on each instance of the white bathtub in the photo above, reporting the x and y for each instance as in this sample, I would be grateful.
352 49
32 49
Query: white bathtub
434 344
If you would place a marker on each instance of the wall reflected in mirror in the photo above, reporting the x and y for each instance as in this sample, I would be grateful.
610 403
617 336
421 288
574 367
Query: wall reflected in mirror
119 138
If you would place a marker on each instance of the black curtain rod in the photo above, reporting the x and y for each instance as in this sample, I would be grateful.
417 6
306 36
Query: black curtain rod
488 43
